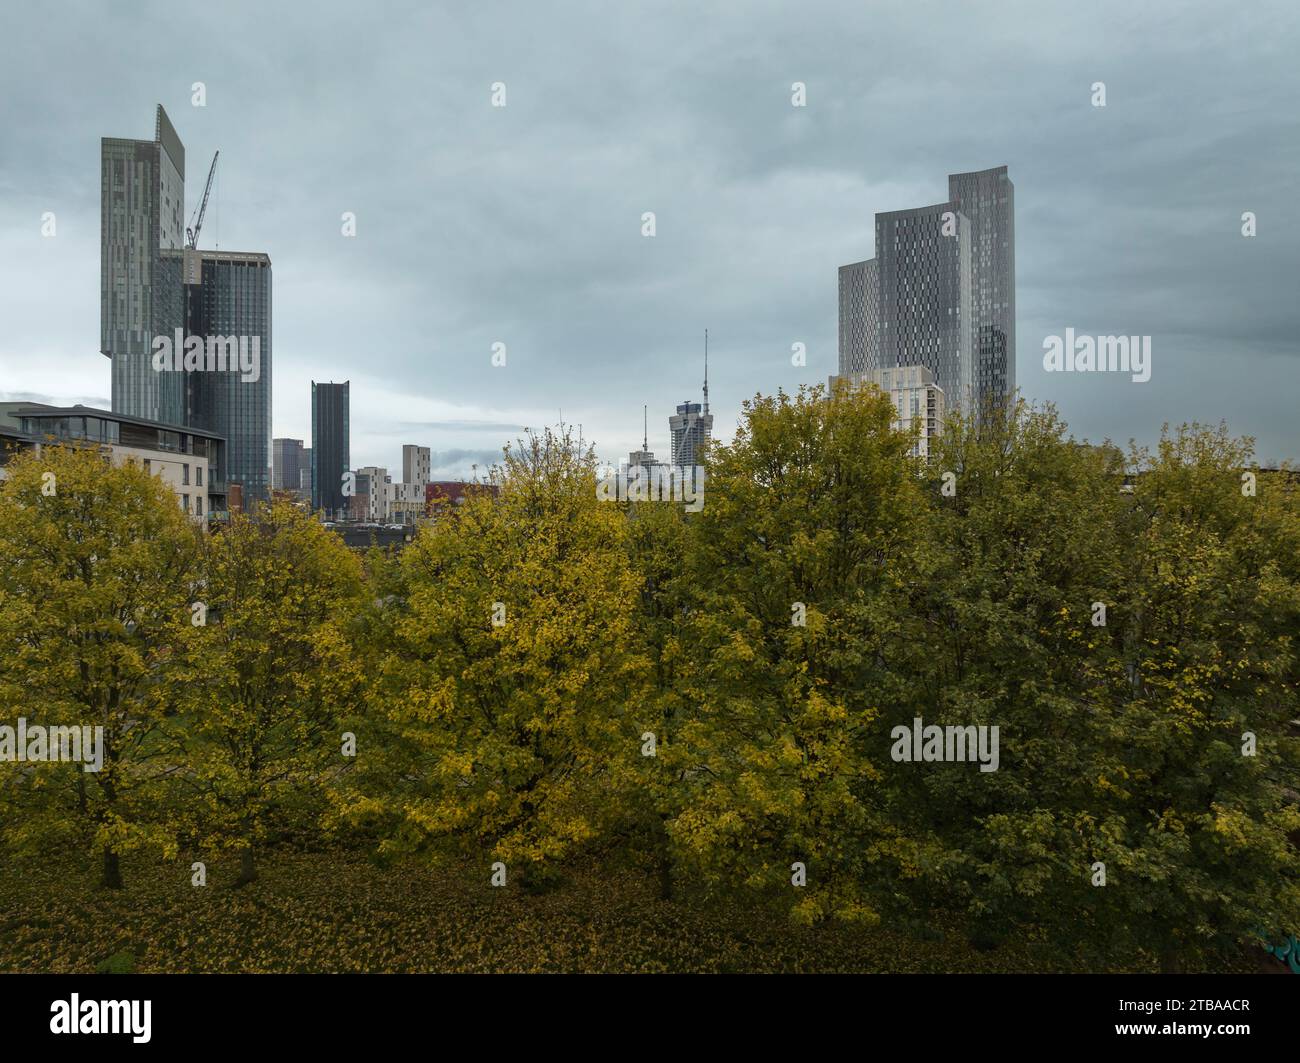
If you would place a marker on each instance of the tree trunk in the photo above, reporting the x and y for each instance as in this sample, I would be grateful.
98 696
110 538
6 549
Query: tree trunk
665 877
247 868
665 861
111 879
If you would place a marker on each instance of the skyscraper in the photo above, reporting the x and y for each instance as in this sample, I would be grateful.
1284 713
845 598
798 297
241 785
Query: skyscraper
859 317
923 256
228 298
286 464
940 293
153 287
988 199
142 213
331 451
692 425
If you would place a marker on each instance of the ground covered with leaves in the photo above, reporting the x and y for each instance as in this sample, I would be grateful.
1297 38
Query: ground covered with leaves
337 912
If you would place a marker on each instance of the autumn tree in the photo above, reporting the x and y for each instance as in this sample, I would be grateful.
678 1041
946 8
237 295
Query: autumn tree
803 561
1202 807
268 675
513 672
658 544
1022 619
96 579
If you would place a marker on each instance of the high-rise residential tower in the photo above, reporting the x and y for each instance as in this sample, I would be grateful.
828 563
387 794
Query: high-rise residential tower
859 317
228 302
917 400
988 199
940 293
924 260
154 288
142 213
286 464
331 449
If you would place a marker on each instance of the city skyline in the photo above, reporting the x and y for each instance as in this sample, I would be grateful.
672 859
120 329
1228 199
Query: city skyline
479 229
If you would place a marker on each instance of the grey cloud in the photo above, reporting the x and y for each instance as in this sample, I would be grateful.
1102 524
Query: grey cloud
521 225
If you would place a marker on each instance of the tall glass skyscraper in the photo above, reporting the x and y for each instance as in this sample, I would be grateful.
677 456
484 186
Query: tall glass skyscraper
925 293
142 214
940 293
228 296
988 199
331 451
151 285
859 317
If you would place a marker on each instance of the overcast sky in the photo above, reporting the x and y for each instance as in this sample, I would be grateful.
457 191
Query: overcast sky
522 224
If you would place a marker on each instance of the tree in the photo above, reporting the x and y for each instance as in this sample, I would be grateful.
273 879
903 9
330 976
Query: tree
508 694
1022 632
1203 799
803 560
658 544
96 577
268 676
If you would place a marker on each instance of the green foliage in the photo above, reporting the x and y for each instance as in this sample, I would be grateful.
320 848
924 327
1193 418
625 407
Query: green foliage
118 963
506 675
97 568
802 562
265 683
507 705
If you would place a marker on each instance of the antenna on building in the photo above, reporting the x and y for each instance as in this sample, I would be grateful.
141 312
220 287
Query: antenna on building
645 427
706 370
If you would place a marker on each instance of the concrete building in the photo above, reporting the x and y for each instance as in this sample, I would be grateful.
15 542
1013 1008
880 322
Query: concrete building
918 400
405 502
188 460
373 484
415 465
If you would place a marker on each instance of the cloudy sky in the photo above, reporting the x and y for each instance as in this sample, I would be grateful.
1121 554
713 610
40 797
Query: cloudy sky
522 225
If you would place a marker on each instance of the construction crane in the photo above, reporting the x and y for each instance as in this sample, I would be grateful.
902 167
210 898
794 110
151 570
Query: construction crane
196 223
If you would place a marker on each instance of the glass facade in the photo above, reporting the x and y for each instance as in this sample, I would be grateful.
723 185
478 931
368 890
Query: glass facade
331 453
925 296
286 464
859 317
945 300
988 199
231 304
142 206
689 428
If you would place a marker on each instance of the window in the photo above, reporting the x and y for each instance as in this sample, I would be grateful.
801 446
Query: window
185 474
185 503
198 505
198 475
